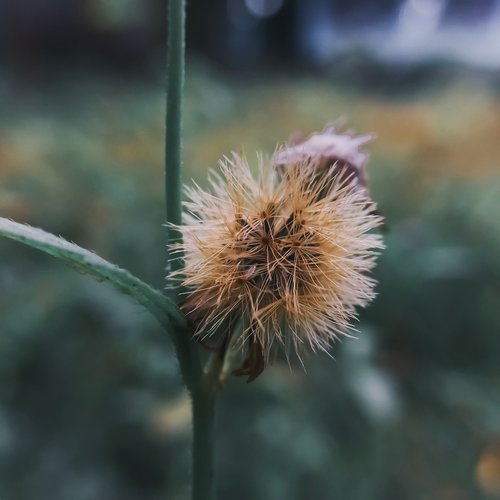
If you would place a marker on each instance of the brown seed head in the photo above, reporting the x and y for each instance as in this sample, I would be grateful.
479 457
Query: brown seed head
288 263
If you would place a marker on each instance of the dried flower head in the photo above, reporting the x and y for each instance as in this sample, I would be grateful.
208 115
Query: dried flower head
328 151
274 256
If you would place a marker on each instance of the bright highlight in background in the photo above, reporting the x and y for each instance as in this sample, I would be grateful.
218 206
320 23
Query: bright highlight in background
263 8
420 18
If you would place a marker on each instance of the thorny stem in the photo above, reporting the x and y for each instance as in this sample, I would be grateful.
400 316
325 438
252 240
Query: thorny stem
202 387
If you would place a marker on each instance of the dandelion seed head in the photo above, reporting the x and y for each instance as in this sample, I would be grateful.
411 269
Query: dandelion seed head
287 259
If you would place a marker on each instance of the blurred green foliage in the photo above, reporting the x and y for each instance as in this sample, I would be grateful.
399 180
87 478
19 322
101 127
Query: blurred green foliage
91 406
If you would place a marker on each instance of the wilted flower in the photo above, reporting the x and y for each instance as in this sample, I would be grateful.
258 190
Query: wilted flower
274 257
330 150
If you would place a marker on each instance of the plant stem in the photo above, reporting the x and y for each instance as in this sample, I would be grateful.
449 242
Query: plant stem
87 262
203 443
173 143
186 349
202 388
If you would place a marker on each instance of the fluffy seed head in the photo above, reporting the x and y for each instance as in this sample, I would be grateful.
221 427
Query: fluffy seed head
286 259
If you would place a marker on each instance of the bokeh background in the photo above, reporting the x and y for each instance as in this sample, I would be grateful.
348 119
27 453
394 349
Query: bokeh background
91 406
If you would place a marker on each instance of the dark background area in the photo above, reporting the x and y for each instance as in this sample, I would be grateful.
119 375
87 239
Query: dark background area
91 406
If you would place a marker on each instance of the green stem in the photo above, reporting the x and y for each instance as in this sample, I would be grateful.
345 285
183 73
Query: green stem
87 262
204 398
173 143
202 388
203 443
186 349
